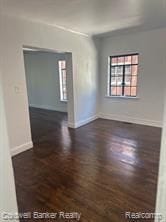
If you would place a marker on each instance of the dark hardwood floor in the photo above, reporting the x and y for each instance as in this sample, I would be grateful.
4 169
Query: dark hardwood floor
100 170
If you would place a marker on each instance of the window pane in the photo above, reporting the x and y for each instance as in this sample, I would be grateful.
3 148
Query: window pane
134 70
119 91
113 91
133 91
116 81
112 71
120 60
128 70
135 59
63 64
119 81
114 61
65 96
126 91
134 81
113 81
118 70
62 78
127 80
127 59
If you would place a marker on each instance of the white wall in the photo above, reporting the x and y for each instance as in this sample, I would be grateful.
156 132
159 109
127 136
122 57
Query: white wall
42 75
82 87
148 108
161 191
7 187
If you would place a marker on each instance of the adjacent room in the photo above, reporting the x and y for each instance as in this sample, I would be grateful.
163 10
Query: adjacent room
47 90
83 105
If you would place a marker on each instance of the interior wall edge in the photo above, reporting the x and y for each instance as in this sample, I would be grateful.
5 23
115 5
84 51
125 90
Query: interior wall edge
82 122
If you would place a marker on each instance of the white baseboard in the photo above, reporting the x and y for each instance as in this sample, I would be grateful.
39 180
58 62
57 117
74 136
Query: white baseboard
131 120
82 122
47 107
19 149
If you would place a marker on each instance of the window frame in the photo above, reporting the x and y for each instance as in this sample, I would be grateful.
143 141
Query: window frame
123 75
61 80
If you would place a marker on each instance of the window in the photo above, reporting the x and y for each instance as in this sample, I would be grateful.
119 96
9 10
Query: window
62 78
123 75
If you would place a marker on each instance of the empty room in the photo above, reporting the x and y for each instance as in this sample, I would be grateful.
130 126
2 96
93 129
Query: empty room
83 106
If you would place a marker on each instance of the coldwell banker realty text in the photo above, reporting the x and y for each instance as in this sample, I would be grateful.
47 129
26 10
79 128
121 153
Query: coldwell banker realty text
74 216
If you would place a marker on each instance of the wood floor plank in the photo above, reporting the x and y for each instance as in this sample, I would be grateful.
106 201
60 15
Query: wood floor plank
101 170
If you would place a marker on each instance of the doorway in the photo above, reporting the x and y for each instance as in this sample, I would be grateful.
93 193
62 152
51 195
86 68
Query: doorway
47 89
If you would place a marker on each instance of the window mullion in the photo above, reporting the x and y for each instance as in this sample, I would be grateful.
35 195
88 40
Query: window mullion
123 80
110 80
